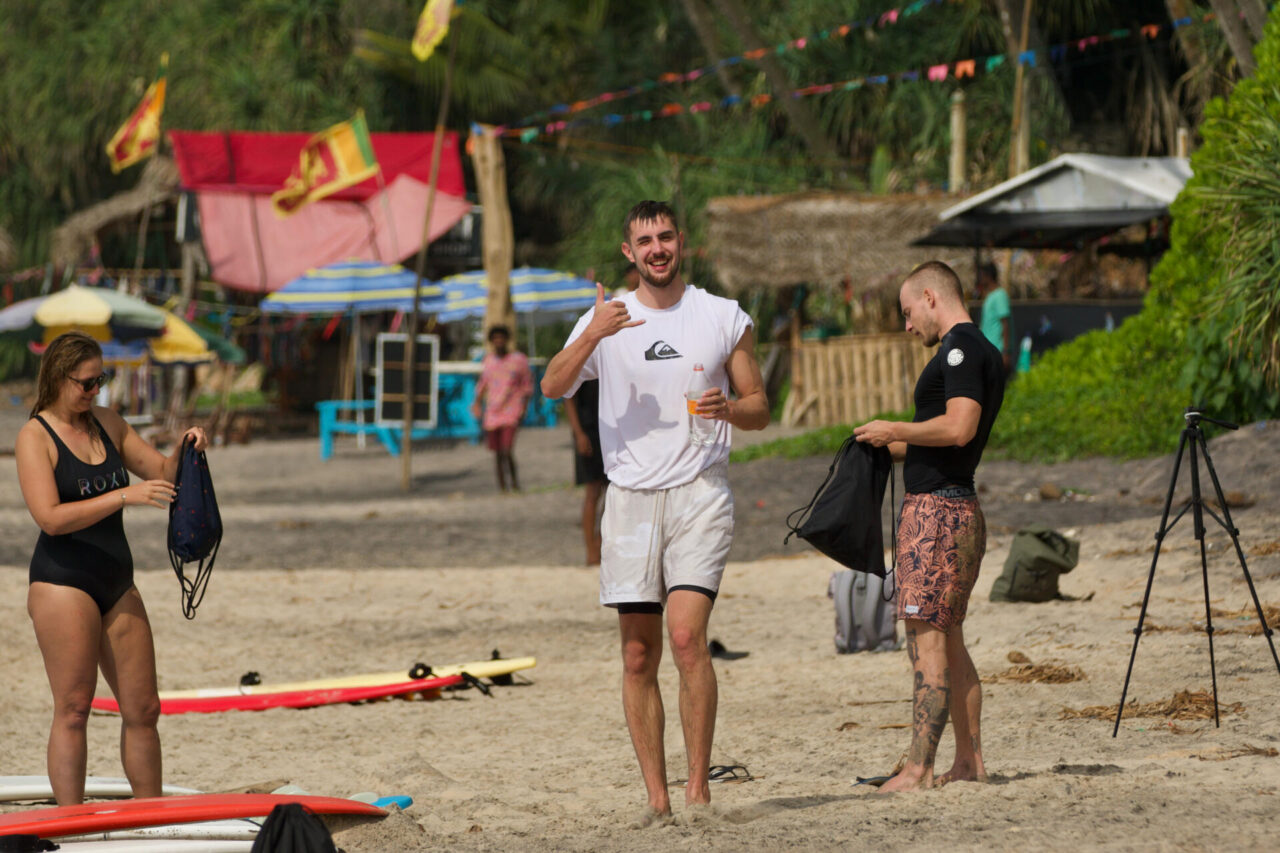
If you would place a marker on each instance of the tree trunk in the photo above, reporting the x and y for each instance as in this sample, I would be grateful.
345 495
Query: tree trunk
1255 15
704 26
1019 132
797 111
1012 25
1227 14
1188 37
497 241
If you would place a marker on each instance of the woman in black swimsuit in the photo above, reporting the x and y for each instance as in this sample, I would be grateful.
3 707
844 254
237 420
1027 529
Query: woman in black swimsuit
73 462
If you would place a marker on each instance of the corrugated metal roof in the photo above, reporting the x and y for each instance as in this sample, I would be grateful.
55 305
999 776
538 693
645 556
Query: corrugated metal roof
1067 202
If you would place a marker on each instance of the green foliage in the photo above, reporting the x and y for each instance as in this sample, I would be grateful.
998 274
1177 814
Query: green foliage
16 360
1102 394
1219 275
1209 333
237 400
73 72
819 442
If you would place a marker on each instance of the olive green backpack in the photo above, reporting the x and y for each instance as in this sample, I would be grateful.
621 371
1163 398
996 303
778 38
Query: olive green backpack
1037 556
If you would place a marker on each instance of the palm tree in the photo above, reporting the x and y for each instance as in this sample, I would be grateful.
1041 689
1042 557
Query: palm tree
8 250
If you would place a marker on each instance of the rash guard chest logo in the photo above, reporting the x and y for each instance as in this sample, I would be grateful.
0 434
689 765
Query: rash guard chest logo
660 351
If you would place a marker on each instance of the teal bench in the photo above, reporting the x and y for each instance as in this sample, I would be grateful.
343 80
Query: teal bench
331 424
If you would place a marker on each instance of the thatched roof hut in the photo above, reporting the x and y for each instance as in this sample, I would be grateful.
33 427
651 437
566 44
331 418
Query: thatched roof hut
8 250
820 238
73 239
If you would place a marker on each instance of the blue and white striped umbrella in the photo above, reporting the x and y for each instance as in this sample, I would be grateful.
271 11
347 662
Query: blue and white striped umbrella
533 290
353 287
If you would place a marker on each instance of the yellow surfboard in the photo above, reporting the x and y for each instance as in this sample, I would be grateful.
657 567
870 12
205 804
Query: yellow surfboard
479 669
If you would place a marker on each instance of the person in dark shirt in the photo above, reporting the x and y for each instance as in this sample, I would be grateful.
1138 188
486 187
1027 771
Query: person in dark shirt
581 410
942 534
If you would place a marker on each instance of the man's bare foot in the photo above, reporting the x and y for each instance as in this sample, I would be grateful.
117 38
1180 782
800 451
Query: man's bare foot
905 781
960 773
653 817
700 814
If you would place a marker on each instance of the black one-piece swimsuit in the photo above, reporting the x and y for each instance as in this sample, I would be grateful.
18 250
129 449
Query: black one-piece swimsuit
96 559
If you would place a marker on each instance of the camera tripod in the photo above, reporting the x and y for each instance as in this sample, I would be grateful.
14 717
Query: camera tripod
1192 438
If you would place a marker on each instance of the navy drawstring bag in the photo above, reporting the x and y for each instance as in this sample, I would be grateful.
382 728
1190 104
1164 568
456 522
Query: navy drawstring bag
290 828
195 527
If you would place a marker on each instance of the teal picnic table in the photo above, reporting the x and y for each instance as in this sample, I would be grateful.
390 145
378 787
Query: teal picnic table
331 424
456 385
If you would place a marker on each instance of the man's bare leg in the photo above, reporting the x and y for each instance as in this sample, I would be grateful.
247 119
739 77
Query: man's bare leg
642 701
511 467
502 470
966 712
927 647
688 613
590 528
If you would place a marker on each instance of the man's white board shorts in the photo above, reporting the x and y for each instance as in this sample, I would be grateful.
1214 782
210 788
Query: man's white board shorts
656 539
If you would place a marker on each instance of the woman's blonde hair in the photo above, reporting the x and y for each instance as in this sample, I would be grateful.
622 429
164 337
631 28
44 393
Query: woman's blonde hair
64 354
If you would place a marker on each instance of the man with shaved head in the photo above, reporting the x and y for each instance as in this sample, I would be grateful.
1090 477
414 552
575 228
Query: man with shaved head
942 534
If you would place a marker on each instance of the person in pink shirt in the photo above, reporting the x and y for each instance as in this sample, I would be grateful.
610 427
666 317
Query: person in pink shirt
503 393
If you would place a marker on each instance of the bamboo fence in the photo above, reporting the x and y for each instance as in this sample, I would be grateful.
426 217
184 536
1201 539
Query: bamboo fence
850 379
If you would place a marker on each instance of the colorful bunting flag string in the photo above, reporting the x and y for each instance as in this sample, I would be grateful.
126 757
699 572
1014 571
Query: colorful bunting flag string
886 19
937 73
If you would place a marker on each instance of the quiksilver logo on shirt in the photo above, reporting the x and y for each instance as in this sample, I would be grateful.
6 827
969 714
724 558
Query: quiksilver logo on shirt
659 351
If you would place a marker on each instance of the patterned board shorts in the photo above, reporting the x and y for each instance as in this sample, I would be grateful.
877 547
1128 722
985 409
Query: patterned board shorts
940 546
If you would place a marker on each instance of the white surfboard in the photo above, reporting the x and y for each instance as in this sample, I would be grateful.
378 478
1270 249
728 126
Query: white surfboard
155 845
21 788
230 829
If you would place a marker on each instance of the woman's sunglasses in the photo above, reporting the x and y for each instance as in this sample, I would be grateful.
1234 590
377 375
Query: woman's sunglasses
90 385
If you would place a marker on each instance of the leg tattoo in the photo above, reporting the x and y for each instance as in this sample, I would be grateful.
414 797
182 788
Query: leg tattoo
929 718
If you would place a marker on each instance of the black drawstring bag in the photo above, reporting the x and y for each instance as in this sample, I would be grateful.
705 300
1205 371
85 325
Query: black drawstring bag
195 527
843 518
290 828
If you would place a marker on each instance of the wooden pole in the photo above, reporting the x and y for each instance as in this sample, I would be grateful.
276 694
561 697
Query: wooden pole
411 345
956 182
136 285
497 238
1019 136
391 223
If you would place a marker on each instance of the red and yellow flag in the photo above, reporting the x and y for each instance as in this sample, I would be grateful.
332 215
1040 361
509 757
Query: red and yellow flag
138 137
433 23
332 160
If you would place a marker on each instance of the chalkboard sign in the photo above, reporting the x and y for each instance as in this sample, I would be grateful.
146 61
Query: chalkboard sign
390 390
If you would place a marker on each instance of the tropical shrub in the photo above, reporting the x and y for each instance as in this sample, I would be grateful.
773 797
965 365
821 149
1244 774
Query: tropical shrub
1209 333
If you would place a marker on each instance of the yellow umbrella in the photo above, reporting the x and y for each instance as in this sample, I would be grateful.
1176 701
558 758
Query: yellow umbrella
178 343
105 314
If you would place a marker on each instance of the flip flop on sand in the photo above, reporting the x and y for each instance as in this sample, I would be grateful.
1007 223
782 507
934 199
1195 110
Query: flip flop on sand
721 773
719 651
729 773
873 781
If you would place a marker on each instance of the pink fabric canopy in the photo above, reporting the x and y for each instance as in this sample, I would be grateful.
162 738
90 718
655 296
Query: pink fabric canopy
251 248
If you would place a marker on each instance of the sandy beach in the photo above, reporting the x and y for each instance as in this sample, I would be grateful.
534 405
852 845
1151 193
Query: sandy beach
327 569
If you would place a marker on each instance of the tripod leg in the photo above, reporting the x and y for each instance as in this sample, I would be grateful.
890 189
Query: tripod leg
1197 509
1151 574
1230 527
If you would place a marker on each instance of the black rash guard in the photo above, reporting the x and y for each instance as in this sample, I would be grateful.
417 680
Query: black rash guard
966 365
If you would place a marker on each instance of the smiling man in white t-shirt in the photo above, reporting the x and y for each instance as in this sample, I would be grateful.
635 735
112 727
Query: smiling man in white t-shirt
668 518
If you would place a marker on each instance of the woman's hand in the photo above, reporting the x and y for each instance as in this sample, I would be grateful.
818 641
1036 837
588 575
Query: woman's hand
156 493
197 436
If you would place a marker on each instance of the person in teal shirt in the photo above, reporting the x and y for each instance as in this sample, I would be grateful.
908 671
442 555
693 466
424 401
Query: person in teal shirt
996 325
